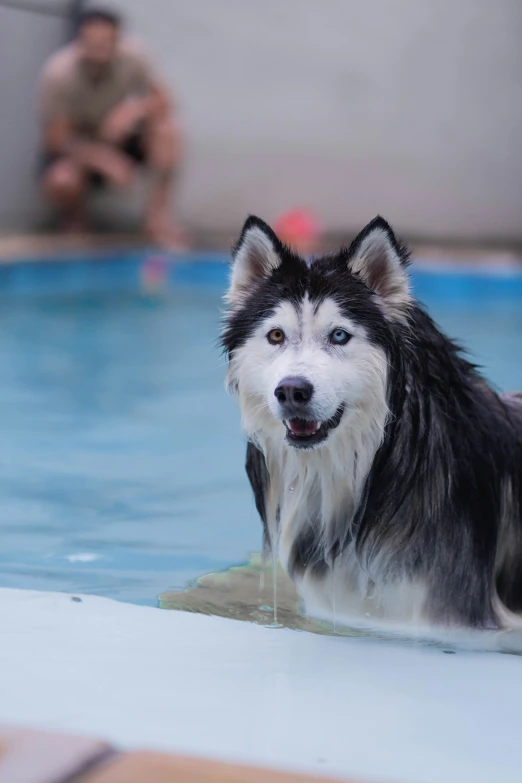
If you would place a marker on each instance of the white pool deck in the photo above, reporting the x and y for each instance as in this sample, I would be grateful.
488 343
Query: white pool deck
143 677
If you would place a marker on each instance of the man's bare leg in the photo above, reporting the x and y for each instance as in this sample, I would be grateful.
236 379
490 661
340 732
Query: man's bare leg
163 152
108 161
64 185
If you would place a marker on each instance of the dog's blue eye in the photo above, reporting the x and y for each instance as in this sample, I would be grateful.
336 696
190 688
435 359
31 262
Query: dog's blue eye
339 337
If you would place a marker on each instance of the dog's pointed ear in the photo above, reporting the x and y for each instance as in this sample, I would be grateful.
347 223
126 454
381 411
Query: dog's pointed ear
380 261
255 256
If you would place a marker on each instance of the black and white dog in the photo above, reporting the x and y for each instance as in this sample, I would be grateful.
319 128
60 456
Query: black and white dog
386 471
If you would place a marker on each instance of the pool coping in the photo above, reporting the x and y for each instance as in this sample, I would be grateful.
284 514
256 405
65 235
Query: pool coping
216 688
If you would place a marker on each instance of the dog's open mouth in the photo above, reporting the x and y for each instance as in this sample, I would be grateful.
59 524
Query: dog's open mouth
304 433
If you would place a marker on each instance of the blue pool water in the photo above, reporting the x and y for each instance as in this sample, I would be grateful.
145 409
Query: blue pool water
121 458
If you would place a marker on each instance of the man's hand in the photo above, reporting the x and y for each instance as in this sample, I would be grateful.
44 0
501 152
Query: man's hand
103 159
128 114
123 119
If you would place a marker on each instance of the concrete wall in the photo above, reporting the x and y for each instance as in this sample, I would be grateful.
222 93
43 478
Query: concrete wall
411 108
27 37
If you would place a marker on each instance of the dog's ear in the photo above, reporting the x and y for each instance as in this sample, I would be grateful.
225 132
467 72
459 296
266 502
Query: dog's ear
380 261
255 256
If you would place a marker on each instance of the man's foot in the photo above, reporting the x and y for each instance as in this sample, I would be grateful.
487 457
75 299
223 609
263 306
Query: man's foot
64 185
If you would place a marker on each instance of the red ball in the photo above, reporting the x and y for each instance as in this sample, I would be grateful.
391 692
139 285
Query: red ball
298 228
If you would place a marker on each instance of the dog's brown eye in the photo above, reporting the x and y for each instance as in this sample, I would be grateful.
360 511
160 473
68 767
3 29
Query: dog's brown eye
339 337
276 336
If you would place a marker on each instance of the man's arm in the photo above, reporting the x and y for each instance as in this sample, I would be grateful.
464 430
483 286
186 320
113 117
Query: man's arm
135 111
150 101
59 140
158 104
56 130
57 133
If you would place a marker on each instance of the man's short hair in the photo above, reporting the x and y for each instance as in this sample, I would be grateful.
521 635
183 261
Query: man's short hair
98 15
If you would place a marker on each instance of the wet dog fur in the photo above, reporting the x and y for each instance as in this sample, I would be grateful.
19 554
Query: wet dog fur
385 469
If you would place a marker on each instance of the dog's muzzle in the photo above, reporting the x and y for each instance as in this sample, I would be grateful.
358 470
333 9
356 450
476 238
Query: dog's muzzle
295 398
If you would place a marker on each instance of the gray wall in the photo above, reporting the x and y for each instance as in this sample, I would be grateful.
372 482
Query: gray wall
411 108
26 39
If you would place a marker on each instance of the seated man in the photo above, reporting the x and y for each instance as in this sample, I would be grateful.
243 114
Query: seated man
103 112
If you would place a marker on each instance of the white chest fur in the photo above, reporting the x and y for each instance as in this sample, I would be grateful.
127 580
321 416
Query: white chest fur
307 489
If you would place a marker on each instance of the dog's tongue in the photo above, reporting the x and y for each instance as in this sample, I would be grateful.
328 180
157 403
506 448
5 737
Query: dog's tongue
302 427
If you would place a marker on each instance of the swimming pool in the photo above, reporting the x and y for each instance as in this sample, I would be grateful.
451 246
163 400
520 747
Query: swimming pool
121 458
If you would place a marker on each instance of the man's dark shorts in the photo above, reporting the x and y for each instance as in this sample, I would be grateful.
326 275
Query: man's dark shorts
133 146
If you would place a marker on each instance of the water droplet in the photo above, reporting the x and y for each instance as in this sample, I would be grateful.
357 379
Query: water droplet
274 582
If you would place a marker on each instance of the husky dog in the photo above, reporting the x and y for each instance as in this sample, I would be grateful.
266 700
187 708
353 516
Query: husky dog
387 473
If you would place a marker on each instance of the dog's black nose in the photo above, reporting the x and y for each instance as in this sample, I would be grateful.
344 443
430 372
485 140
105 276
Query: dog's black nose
296 391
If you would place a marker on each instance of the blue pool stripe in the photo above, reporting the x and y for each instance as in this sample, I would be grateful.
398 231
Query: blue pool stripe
136 269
